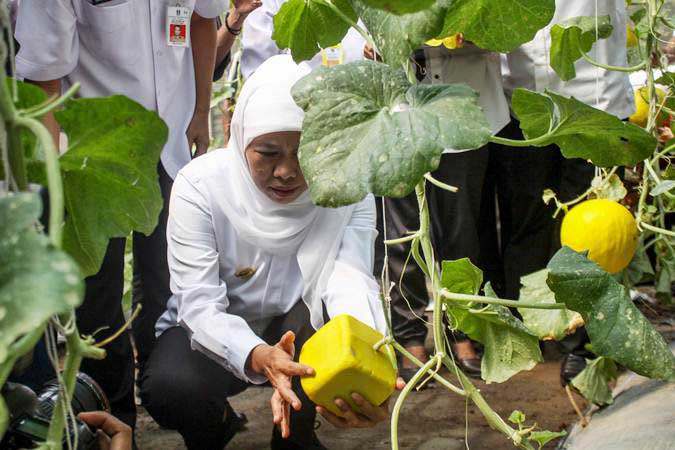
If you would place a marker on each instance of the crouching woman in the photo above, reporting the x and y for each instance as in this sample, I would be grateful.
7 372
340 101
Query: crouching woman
256 268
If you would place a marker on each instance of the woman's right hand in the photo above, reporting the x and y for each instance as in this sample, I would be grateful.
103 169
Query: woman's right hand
276 363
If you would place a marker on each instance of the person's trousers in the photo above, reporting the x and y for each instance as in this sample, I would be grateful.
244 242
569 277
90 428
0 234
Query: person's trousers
101 312
186 391
455 221
525 236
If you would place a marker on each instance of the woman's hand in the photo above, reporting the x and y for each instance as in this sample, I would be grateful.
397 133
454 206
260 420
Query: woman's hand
240 10
276 363
368 415
113 434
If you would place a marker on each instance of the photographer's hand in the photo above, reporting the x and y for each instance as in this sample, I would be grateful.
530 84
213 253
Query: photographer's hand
113 434
276 363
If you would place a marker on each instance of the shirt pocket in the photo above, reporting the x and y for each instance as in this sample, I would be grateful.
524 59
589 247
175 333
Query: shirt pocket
110 32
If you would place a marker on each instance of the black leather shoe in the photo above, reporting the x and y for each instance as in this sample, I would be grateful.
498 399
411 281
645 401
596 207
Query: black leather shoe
470 367
279 443
570 367
234 423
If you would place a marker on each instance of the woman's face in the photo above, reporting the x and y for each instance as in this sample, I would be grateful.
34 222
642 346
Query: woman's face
273 162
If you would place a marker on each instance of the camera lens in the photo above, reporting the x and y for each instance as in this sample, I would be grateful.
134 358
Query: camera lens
87 396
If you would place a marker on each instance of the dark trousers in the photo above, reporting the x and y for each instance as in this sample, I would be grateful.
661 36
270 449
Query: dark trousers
455 221
185 390
102 307
518 234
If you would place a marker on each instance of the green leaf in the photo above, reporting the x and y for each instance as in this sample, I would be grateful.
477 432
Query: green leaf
307 26
36 280
592 382
29 95
544 437
571 37
668 78
509 346
517 417
366 129
617 329
109 174
665 276
498 25
640 268
547 324
399 6
581 131
611 188
397 36
461 276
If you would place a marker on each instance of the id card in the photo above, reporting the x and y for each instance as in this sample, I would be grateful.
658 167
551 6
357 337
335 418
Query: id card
333 56
178 26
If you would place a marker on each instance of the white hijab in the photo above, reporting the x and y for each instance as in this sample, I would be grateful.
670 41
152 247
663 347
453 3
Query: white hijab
265 106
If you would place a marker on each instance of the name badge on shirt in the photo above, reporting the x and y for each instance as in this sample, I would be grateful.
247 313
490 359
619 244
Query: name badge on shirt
333 56
178 26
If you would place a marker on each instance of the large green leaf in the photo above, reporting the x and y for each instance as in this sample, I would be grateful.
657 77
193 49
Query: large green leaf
581 131
592 382
397 36
307 26
399 6
617 329
366 129
109 173
36 280
496 24
509 346
547 324
571 37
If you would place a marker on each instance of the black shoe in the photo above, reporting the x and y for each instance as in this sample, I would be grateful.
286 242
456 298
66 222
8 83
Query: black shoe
279 443
470 367
570 367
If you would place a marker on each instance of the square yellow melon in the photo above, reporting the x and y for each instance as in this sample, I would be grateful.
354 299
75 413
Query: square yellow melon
342 355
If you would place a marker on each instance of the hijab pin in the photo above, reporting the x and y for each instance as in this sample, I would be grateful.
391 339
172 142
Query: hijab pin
245 273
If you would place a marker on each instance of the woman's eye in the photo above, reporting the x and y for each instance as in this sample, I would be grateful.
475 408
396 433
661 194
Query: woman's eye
267 154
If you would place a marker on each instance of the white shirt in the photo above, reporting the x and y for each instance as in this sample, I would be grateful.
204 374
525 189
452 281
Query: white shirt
258 45
480 69
226 314
118 47
529 66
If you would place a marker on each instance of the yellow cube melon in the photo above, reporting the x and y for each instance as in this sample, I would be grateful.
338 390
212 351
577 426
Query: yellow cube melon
342 355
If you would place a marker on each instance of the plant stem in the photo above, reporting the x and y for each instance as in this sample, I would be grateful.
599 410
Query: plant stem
657 229
595 63
352 23
536 142
402 240
52 105
401 398
498 301
54 181
440 184
403 351
16 157
492 418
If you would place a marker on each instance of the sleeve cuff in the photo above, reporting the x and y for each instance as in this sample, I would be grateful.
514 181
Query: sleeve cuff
28 70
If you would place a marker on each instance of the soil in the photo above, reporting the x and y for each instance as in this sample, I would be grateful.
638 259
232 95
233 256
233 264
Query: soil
431 419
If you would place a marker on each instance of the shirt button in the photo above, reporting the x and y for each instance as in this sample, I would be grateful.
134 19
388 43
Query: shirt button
437 76
159 53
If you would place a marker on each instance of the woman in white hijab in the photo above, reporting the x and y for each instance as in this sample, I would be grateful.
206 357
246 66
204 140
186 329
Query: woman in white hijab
255 269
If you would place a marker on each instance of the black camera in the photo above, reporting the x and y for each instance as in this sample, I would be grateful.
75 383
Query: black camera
30 413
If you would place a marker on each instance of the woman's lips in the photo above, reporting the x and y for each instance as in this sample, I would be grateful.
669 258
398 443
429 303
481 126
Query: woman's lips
284 192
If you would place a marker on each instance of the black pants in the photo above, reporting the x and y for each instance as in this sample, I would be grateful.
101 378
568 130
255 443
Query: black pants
185 390
455 221
527 235
102 307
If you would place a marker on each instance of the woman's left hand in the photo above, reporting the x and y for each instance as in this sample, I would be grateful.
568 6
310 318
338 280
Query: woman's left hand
368 415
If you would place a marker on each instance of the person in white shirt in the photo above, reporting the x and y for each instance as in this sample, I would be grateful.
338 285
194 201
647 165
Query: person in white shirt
121 47
258 46
518 176
255 269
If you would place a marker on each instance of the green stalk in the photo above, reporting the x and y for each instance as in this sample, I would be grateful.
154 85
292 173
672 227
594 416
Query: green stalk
535 142
50 106
401 398
16 157
498 301
403 351
54 180
595 63
345 18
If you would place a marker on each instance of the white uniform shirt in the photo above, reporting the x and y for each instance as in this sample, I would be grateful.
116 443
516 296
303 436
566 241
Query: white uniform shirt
225 314
118 47
529 66
480 69
258 45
